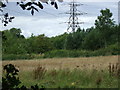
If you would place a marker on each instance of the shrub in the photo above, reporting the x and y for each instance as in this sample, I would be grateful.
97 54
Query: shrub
56 53
14 56
10 80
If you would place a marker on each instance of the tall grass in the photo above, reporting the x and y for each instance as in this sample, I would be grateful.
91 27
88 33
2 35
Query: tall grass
76 78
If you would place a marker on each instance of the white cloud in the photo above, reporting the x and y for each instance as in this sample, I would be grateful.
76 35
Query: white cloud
48 23
37 25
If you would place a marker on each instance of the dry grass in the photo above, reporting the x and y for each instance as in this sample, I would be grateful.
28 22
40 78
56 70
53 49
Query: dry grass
98 63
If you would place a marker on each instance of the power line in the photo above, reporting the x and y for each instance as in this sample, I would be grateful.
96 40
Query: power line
74 13
49 13
27 14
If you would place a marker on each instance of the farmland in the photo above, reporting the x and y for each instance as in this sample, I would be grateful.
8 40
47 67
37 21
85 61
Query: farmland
84 72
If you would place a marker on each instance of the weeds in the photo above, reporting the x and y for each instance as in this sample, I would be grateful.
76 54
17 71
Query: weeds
114 69
10 80
39 72
53 73
98 82
75 78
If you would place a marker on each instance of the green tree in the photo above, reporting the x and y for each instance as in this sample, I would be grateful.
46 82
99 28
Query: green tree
13 42
39 44
92 40
75 39
104 24
59 42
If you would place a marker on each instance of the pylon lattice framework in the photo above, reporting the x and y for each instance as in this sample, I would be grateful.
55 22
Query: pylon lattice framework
73 19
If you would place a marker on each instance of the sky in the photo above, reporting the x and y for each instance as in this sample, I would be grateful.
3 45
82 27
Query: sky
50 21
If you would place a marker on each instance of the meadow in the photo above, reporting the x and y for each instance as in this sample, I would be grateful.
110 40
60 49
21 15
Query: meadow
83 72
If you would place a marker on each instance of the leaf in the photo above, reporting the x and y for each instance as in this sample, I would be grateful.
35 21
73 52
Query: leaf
40 5
29 8
28 4
46 2
56 6
5 25
52 3
17 3
6 22
6 15
35 3
32 11
10 20
12 17
36 9
3 5
22 6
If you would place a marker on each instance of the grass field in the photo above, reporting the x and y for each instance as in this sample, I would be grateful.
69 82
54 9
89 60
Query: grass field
90 72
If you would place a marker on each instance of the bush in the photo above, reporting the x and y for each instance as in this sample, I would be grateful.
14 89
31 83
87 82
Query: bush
14 56
115 49
67 53
56 53
10 80
110 50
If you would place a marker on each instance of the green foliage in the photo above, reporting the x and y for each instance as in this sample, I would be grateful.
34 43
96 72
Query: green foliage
98 40
39 44
111 50
56 53
75 40
13 42
10 79
104 24
59 42
15 57
67 53
93 40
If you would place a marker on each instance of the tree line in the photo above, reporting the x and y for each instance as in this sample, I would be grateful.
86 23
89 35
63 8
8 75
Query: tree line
104 34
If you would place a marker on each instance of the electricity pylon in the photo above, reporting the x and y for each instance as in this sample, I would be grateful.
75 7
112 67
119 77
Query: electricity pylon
73 22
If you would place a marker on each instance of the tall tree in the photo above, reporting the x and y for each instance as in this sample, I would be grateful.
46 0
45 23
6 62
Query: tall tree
13 42
103 24
39 44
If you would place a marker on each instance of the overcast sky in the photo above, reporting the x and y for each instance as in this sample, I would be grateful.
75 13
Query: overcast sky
49 20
